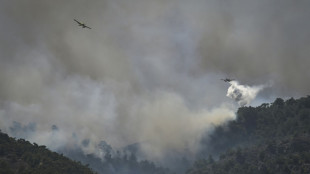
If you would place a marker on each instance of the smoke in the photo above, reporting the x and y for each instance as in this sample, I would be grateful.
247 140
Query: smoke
147 72
173 127
258 41
243 94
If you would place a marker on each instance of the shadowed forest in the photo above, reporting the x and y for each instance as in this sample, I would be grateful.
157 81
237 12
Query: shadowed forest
155 86
270 138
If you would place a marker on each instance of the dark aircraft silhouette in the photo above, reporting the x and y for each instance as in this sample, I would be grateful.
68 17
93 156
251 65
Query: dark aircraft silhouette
227 80
82 24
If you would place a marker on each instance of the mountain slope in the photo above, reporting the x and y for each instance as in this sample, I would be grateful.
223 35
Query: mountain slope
116 163
271 138
285 156
20 156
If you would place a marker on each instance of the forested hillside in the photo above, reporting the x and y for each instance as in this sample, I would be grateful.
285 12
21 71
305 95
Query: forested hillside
116 162
271 138
20 156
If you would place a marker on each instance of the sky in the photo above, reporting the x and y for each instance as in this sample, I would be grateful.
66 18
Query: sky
148 71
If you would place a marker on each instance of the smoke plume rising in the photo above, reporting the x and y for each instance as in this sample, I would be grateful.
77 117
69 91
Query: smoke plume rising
147 72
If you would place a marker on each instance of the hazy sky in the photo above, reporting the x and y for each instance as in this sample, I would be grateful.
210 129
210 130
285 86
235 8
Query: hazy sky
148 70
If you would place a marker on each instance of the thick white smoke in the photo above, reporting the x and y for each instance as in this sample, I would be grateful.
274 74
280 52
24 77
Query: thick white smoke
243 94
146 72
78 109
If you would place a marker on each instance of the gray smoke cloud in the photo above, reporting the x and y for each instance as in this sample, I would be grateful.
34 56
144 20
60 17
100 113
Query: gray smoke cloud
259 41
243 94
147 71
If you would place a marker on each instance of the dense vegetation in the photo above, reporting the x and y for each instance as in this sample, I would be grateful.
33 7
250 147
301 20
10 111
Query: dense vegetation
268 139
117 163
271 138
20 156
285 156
